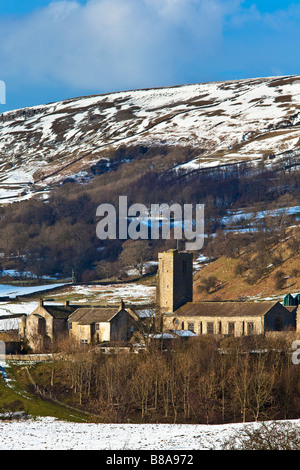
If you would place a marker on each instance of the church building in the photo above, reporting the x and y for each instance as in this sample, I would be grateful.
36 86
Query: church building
177 311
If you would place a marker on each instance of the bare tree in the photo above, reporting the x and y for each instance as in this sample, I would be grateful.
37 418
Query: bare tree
208 284
135 255
242 380
261 386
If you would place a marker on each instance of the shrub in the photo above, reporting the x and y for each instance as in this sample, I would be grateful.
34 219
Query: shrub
208 284
279 280
265 436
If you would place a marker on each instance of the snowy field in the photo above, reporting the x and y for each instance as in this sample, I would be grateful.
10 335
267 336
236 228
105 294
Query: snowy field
11 308
111 293
130 293
12 292
51 434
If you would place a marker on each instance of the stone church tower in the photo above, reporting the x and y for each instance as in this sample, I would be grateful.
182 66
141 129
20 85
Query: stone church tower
175 281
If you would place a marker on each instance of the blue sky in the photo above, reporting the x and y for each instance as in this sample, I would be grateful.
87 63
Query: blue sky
52 50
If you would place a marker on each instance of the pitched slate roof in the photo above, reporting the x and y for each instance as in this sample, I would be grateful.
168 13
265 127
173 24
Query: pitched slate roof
60 311
87 316
221 309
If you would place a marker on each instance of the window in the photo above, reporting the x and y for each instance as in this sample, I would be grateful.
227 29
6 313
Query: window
70 325
200 328
278 324
220 328
191 327
84 341
97 327
41 326
231 326
250 328
210 328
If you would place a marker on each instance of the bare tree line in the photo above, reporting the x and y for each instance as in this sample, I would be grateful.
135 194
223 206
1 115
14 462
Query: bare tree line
202 381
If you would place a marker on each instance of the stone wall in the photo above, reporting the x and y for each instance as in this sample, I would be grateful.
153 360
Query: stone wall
216 325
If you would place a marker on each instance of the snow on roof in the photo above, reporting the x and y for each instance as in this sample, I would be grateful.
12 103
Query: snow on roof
184 333
162 336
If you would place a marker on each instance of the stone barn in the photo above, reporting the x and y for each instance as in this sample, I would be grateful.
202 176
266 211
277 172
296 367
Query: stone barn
102 324
45 324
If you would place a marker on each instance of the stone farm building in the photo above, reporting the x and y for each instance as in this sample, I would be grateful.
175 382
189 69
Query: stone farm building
100 324
86 324
45 323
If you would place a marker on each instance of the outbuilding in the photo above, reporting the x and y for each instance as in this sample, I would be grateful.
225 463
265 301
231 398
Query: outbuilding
102 324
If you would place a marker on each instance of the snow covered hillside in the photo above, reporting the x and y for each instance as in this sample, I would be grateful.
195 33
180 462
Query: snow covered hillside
228 122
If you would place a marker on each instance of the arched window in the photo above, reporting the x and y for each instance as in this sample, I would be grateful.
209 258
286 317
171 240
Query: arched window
41 326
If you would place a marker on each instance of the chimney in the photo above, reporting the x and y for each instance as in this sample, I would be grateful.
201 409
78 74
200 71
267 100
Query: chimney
66 303
41 302
122 305
298 319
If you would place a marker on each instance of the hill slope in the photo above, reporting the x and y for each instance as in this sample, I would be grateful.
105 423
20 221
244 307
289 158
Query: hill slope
233 283
224 122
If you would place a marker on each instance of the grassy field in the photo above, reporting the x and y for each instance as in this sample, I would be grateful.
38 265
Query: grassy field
15 397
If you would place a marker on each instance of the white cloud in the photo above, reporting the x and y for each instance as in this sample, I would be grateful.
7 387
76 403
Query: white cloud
107 44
